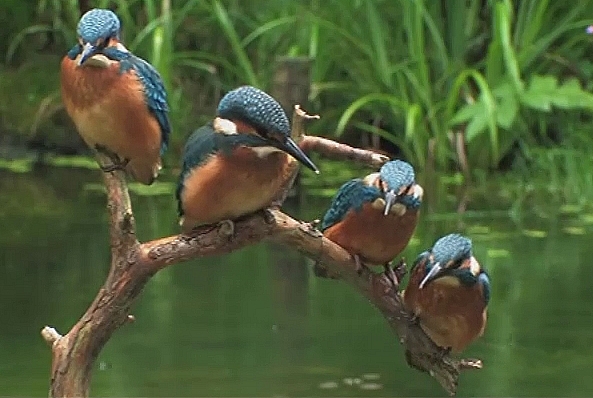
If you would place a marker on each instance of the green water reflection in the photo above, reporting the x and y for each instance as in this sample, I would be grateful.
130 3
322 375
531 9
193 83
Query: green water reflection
257 323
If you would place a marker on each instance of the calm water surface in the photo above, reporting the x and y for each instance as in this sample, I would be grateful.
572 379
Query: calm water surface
257 323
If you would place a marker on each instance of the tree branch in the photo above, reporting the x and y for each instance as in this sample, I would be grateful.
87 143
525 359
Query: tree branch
335 150
134 263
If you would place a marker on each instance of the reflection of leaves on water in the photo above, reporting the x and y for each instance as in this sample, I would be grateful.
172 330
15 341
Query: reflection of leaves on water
371 386
570 209
17 165
498 253
371 376
534 233
350 381
328 385
477 229
574 230
157 188
82 162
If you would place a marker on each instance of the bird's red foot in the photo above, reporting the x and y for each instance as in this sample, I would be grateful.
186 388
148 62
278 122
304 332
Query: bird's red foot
360 266
415 320
442 353
226 229
400 269
268 216
117 163
391 276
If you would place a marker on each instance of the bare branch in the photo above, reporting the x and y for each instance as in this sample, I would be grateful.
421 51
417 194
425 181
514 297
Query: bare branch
335 150
50 335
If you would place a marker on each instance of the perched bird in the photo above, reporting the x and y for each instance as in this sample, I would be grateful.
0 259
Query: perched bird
449 292
374 218
236 164
116 99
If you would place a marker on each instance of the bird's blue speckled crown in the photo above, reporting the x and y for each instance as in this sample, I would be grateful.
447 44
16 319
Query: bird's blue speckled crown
256 108
98 24
451 248
397 174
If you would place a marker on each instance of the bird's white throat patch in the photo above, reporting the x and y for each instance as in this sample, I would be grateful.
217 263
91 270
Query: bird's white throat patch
474 266
397 209
263 151
98 61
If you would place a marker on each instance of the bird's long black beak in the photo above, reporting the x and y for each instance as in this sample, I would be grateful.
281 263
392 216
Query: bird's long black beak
293 149
88 50
432 275
390 198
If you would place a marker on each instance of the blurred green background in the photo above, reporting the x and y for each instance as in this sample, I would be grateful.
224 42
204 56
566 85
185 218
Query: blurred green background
480 86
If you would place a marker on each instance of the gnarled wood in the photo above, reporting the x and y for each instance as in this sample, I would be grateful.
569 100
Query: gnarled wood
134 263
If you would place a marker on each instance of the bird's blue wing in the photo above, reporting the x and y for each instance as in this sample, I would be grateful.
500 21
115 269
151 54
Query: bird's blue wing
352 195
421 259
154 89
74 52
156 96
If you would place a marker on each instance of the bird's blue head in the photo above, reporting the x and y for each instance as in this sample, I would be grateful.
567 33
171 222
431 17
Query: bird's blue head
398 180
97 29
257 109
450 254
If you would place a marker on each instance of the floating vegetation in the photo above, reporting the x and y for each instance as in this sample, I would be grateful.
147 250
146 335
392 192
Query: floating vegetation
371 376
574 230
371 386
478 230
328 385
155 189
81 162
570 209
497 253
534 233
24 165
94 187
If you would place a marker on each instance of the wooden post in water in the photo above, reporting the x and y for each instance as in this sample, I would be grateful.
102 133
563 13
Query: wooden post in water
291 86
290 274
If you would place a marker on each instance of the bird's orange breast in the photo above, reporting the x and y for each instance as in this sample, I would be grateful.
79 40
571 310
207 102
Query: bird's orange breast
109 109
453 315
376 238
227 187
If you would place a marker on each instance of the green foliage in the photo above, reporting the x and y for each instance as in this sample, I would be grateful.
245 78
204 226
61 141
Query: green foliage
508 76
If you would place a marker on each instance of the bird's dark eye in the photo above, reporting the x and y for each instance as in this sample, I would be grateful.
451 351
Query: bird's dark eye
102 43
408 189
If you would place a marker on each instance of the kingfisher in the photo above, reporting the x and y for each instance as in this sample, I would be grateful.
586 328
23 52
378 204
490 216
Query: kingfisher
373 218
237 164
117 100
448 293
